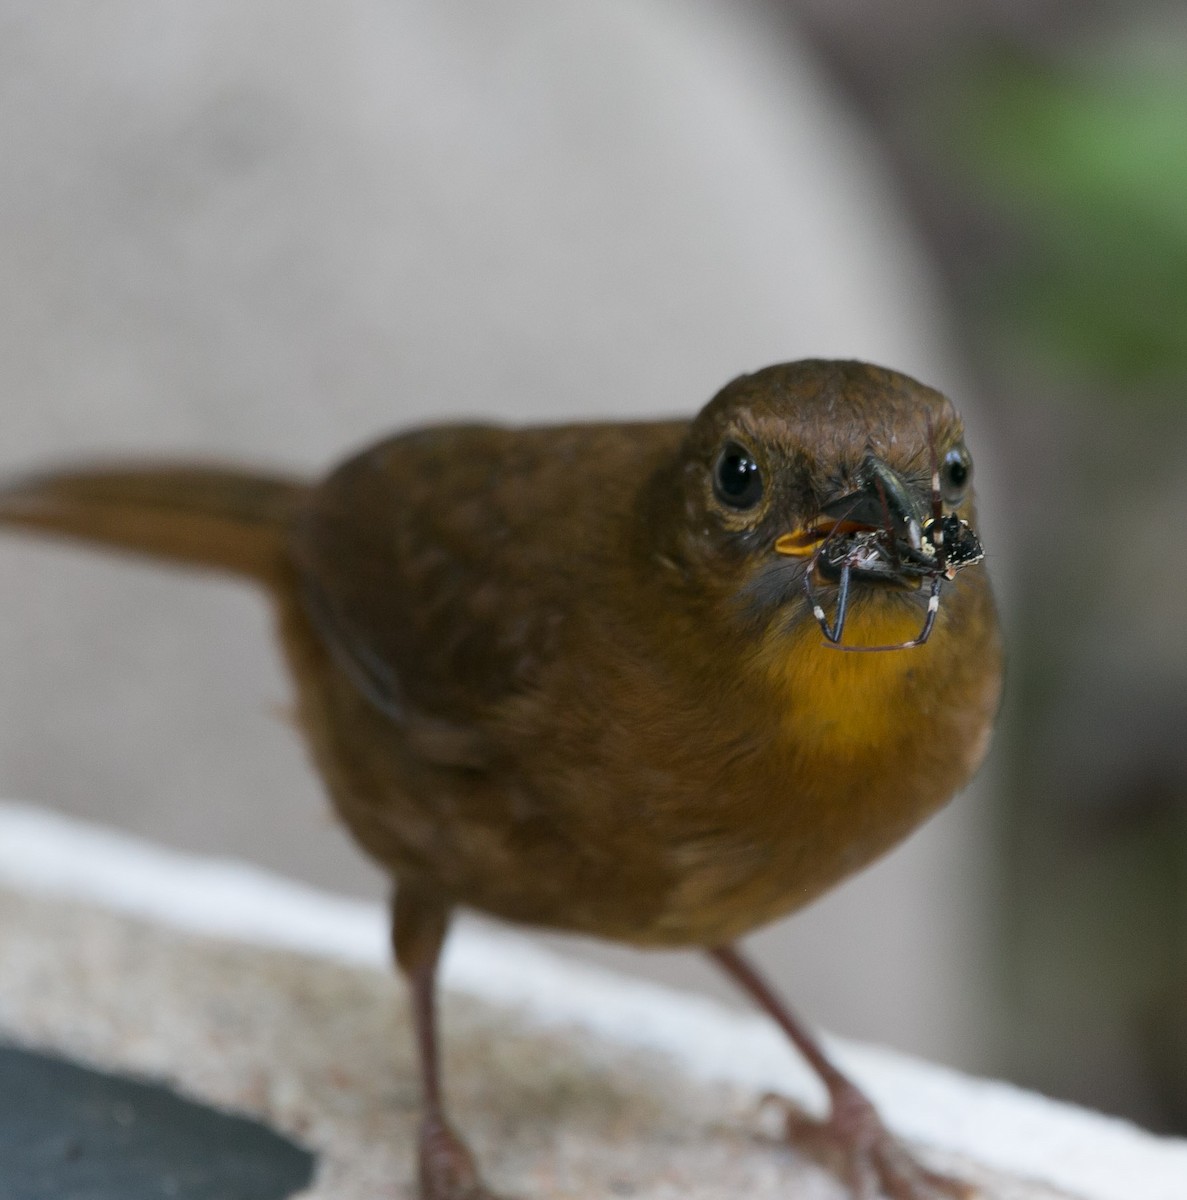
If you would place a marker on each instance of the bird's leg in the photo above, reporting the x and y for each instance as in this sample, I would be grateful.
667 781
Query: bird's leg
851 1140
420 921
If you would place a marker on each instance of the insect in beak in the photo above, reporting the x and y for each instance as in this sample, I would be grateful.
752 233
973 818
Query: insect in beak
878 534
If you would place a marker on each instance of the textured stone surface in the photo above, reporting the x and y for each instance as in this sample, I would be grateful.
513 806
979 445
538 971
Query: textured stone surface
323 1052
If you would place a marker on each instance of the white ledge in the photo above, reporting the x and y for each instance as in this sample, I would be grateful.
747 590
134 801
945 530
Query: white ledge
1003 1127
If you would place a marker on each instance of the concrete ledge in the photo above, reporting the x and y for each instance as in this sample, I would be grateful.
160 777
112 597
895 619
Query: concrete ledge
270 998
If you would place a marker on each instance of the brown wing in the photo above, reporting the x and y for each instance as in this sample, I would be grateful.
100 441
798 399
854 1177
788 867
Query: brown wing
442 566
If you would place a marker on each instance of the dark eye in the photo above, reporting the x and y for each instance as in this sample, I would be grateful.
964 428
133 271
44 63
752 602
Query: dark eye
955 473
737 480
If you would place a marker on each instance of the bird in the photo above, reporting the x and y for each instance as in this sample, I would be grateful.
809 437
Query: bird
656 681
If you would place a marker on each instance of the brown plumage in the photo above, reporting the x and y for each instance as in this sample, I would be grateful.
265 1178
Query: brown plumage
563 676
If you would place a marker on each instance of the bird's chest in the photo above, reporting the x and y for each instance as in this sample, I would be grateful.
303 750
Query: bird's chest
835 705
850 752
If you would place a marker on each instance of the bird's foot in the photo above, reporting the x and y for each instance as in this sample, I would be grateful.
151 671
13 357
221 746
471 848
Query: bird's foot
856 1146
447 1170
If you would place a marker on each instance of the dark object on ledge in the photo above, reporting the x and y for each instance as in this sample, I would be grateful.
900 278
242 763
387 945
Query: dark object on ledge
69 1131
575 676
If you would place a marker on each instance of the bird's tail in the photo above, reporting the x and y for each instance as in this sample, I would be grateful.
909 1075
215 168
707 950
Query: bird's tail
216 517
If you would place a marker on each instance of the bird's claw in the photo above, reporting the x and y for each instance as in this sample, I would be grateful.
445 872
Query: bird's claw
447 1170
854 1144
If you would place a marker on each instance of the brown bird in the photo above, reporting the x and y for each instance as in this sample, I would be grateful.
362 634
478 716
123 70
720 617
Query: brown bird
602 678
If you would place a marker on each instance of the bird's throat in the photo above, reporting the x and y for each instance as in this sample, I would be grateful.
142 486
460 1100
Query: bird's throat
837 703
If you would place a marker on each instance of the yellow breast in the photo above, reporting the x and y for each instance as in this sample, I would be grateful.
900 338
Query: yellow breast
835 703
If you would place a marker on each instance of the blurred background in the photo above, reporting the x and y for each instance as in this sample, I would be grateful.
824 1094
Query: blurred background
273 232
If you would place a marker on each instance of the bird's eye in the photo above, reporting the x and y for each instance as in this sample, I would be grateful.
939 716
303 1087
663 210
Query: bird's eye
955 473
737 480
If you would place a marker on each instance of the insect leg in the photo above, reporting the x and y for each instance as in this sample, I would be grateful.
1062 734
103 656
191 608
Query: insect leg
835 631
937 506
933 607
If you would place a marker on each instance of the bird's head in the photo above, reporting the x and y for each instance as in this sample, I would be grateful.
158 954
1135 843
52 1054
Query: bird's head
811 479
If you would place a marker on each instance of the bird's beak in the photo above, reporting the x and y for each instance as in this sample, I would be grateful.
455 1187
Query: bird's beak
883 504
804 541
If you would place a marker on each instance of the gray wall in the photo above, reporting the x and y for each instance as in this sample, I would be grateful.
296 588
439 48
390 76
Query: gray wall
273 231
